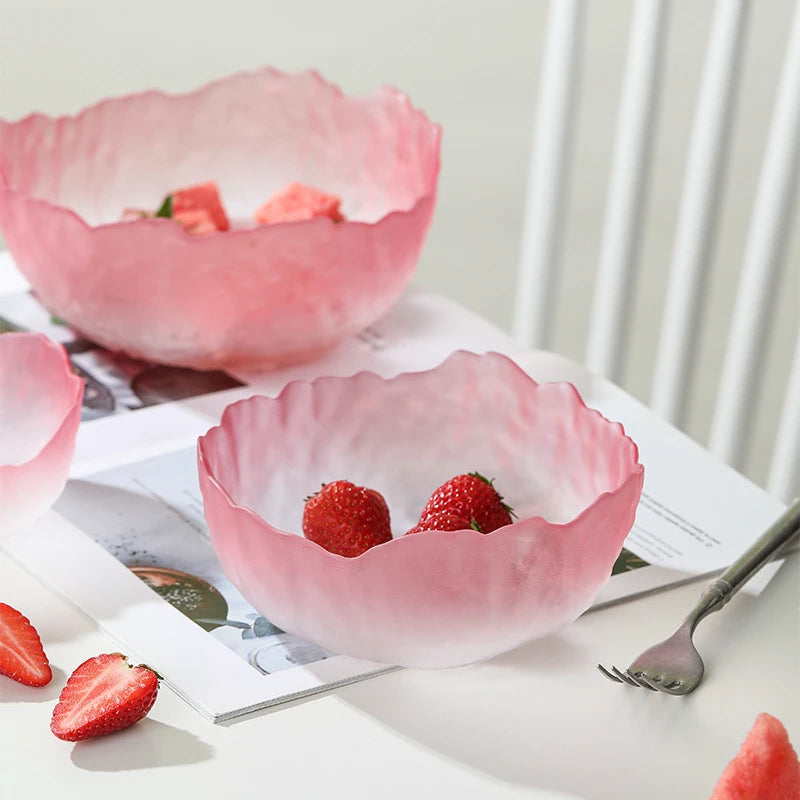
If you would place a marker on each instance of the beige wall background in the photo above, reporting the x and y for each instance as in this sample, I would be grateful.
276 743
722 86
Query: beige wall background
473 66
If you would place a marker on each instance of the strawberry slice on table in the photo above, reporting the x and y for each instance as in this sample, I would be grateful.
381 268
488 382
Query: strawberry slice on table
346 519
22 657
297 202
472 497
103 695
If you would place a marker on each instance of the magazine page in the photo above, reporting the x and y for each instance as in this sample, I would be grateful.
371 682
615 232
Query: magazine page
211 648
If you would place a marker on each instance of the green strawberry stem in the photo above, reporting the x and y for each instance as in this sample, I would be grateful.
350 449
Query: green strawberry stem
165 209
147 666
308 497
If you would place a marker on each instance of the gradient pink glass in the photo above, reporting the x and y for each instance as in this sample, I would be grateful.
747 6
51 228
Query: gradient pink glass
40 410
255 296
433 599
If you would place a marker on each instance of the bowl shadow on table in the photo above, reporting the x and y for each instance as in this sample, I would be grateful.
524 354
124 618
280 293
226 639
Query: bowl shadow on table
496 717
493 718
526 718
149 744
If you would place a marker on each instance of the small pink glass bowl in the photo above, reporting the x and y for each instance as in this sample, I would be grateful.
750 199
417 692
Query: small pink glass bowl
432 599
251 297
40 410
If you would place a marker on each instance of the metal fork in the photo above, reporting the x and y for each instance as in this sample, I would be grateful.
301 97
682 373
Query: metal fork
674 666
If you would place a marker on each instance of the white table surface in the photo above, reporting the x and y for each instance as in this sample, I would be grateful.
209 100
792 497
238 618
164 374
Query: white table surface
539 722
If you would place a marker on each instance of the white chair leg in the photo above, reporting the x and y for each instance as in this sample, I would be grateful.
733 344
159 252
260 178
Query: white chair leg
552 146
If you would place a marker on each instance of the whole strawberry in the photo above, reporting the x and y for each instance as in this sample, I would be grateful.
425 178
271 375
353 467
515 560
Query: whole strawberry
346 519
444 521
22 656
103 695
472 497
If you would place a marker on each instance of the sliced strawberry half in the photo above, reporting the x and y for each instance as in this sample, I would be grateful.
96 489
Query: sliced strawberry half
22 656
103 695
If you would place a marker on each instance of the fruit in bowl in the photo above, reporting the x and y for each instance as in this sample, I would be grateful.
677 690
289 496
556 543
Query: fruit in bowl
40 410
250 297
437 597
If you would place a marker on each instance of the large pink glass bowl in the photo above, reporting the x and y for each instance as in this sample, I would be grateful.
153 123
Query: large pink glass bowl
251 297
40 410
431 599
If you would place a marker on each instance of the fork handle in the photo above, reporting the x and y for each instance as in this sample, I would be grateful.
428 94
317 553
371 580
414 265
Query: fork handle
762 551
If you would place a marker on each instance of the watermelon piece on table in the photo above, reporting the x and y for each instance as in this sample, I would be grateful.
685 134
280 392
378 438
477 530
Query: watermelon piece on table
204 196
765 768
297 202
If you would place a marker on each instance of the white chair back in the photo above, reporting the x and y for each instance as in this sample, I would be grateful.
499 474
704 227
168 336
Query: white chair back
763 262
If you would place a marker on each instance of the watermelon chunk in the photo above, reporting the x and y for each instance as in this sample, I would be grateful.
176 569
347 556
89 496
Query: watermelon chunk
765 768
197 221
132 214
204 196
298 202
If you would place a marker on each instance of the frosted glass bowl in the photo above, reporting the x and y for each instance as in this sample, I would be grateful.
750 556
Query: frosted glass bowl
439 598
40 410
251 297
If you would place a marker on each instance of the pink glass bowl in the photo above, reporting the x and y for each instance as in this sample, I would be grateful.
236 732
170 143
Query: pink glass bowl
437 598
251 297
40 410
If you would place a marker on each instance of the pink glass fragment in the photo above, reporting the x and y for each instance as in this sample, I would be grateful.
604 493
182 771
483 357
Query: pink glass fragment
40 410
255 296
433 599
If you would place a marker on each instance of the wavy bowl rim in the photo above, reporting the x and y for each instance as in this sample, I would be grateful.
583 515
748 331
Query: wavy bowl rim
384 90
76 391
633 475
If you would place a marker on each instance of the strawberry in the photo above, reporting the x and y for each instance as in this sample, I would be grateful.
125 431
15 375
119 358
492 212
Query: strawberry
444 521
103 695
346 519
472 497
22 656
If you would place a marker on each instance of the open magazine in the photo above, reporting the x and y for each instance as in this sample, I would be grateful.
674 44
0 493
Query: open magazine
127 541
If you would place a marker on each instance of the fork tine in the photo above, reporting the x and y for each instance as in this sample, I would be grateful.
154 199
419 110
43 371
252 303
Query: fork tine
626 677
644 681
609 675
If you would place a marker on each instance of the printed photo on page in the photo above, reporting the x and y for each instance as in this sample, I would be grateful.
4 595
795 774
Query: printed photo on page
149 516
114 382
